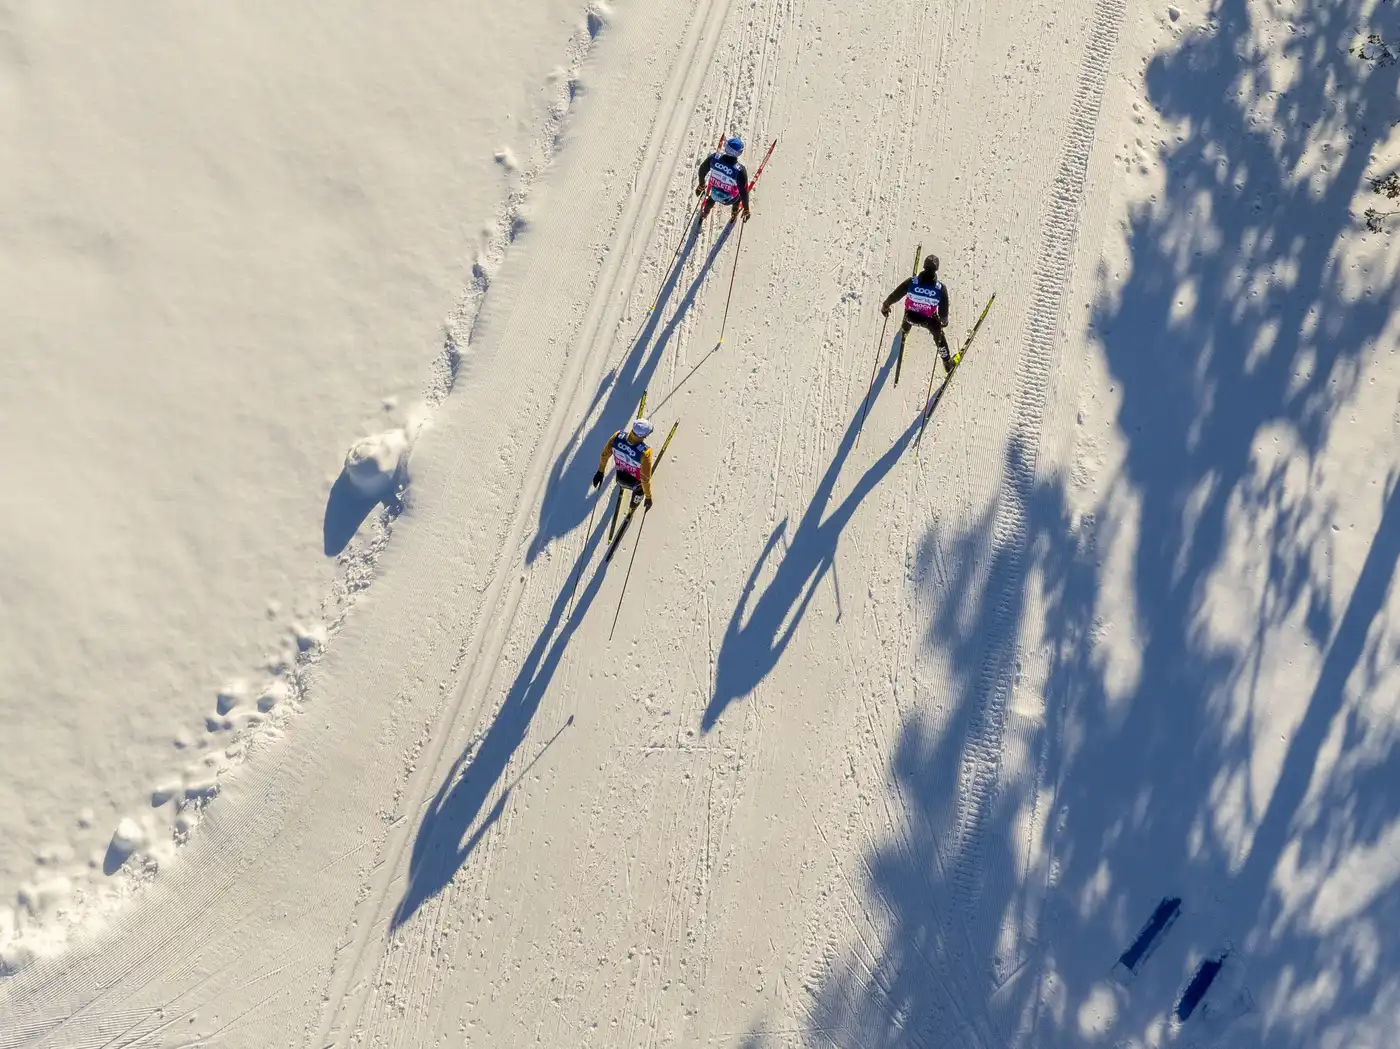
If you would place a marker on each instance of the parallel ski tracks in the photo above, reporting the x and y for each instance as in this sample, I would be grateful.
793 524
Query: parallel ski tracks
355 974
981 762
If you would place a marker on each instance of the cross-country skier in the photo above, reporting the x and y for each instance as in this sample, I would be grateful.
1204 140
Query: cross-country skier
726 180
632 458
925 304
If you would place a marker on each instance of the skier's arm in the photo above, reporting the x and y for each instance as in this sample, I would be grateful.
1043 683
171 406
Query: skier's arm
743 187
607 452
901 290
945 304
704 169
646 473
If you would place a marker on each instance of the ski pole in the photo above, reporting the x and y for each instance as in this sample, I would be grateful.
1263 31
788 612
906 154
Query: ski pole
928 397
873 367
632 342
685 230
578 569
732 272
623 594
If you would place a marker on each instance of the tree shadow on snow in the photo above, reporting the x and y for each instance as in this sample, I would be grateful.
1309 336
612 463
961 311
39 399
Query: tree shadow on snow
1164 622
560 512
760 630
454 824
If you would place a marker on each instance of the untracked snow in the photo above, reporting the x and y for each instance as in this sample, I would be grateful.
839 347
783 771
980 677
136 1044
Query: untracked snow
233 238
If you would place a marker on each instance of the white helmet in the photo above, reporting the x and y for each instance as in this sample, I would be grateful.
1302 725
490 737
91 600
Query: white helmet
641 427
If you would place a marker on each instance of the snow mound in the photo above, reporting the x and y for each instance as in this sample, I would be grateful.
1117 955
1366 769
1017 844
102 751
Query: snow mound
276 693
311 636
128 838
372 463
597 19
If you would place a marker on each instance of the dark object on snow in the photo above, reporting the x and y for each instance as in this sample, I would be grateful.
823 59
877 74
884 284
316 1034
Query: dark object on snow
1199 985
1151 935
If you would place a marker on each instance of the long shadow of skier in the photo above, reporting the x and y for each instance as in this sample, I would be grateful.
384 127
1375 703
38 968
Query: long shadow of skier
454 823
751 649
560 512
451 829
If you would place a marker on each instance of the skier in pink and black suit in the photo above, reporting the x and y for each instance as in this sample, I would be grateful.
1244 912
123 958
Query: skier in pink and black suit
725 179
925 304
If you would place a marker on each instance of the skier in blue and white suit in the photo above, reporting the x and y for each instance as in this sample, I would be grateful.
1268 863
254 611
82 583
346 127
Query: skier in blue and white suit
724 180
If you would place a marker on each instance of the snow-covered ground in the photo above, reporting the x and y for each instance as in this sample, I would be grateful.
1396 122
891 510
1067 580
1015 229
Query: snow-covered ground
1067 723
233 241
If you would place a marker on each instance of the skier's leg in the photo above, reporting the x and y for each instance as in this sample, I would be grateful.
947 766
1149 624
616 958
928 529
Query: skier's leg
942 342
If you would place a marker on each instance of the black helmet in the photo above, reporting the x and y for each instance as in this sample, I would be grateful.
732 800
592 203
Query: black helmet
930 263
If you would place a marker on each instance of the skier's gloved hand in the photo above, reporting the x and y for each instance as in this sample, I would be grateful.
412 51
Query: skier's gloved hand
648 502
699 189
597 478
885 310
746 214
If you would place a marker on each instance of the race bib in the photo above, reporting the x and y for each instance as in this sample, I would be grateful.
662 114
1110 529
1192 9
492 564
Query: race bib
723 187
922 300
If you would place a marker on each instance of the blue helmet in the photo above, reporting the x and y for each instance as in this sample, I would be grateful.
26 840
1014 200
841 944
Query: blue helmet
734 146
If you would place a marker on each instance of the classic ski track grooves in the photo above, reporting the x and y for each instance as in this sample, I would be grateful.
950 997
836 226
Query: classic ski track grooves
351 986
978 776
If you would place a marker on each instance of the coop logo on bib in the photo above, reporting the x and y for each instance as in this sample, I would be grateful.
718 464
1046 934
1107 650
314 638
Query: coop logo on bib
627 457
922 299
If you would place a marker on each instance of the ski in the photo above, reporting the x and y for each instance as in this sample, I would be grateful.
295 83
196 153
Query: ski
762 164
904 335
631 510
937 396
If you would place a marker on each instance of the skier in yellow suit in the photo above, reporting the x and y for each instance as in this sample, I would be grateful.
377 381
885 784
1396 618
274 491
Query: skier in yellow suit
631 457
